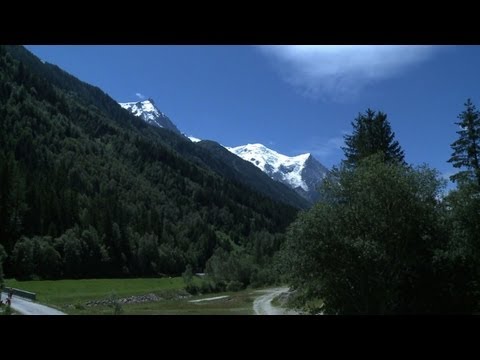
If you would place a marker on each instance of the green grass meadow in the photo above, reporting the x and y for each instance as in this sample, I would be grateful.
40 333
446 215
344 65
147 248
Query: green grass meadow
71 297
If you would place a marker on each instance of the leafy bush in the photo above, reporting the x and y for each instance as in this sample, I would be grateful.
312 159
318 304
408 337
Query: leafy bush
368 246
115 304
235 286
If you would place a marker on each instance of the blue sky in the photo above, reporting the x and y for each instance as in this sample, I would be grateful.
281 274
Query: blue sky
293 99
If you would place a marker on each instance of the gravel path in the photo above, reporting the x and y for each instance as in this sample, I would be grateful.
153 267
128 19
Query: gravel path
263 304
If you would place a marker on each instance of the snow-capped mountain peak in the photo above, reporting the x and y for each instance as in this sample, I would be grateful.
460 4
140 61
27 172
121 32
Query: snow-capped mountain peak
147 110
301 172
278 166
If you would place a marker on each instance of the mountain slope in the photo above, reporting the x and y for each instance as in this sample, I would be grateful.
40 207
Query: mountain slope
215 157
89 190
302 173
251 176
312 174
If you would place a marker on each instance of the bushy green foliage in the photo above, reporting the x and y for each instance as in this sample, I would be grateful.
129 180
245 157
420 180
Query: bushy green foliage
235 286
458 264
8 310
115 304
368 247
36 257
3 256
187 275
206 285
225 267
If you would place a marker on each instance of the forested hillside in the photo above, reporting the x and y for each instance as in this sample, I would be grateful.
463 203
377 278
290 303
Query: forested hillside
89 190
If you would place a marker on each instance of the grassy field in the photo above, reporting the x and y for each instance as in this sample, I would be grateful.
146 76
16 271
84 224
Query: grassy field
71 297
65 292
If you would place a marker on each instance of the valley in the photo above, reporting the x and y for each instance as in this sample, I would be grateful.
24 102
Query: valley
109 206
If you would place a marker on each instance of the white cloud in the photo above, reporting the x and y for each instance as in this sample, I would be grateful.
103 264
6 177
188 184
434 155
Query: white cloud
140 96
341 71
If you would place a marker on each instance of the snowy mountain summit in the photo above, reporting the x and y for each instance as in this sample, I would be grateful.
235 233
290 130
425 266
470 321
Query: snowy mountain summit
149 112
302 173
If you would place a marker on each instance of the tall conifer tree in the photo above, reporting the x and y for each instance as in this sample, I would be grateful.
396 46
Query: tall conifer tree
372 134
466 149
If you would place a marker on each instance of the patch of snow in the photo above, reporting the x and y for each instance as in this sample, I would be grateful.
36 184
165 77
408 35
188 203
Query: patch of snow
144 109
194 139
148 111
276 165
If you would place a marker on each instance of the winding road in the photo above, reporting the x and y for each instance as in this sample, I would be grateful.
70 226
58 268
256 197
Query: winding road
263 304
28 307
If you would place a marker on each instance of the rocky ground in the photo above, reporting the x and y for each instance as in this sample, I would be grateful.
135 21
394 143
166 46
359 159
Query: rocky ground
137 299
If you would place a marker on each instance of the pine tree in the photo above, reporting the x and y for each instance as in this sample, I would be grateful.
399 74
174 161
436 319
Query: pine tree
372 134
466 150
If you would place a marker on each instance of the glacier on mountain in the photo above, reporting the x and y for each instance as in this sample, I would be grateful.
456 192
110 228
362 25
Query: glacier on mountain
302 172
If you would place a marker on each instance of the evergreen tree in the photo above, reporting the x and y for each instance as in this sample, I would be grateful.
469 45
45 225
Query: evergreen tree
459 263
466 150
372 134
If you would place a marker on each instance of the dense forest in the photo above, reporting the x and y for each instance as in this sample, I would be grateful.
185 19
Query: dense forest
385 238
89 190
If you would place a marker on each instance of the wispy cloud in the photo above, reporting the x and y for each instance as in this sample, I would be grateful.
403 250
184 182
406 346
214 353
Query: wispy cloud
140 96
338 72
